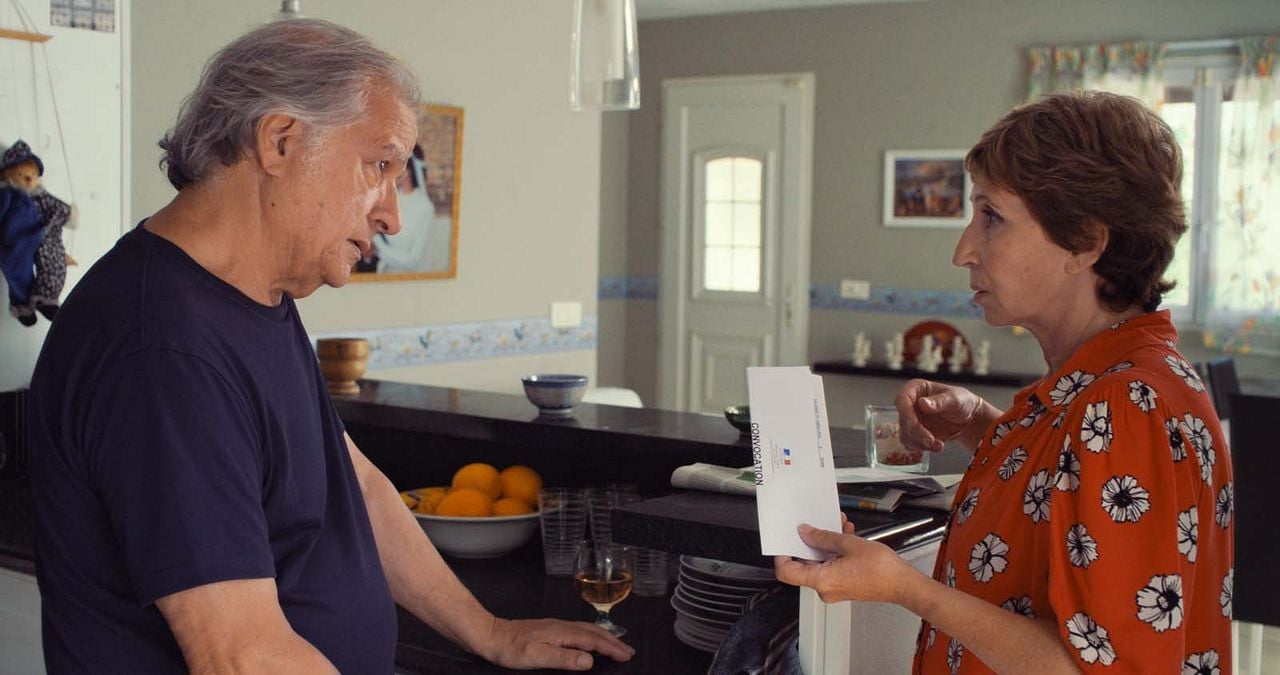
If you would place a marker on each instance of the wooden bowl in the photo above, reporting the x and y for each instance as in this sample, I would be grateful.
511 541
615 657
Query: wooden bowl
342 362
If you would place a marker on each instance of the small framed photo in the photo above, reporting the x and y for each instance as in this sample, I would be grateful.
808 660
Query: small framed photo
430 196
926 188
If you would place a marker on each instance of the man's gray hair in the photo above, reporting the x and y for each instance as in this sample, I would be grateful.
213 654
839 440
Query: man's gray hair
316 71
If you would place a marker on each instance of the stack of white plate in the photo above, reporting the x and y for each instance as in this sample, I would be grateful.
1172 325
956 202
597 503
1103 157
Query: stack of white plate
711 595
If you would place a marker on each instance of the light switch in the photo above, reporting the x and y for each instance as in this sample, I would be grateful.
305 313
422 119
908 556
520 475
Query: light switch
855 289
566 314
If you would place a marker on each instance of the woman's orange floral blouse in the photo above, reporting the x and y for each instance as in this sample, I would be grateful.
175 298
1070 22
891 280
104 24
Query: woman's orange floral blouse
1102 500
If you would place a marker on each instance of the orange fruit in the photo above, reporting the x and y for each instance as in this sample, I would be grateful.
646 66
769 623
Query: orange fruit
510 506
479 476
465 502
521 482
409 498
429 498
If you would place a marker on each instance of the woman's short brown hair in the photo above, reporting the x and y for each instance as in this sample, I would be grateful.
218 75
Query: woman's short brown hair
1089 160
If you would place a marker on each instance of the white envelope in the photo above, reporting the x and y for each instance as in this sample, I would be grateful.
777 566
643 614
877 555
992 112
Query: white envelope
791 455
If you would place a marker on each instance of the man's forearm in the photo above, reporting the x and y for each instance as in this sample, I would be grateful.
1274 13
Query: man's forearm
420 580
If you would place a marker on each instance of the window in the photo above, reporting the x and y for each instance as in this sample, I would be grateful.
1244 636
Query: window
1195 90
732 224
1200 107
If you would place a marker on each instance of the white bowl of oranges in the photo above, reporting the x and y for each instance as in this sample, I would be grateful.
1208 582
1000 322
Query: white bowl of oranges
485 513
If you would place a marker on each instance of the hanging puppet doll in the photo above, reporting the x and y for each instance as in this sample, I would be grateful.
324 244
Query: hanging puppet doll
32 256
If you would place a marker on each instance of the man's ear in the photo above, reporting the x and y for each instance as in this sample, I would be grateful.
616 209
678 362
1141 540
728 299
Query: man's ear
1084 259
279 136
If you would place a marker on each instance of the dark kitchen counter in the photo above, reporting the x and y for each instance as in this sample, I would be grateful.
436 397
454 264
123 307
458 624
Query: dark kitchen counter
419 435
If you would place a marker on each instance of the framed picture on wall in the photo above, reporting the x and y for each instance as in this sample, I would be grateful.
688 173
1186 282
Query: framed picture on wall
430 197
926 188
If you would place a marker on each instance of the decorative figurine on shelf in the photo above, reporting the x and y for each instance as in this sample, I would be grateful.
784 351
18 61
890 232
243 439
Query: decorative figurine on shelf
893 352
40 290
959 353
982 358
861 349
930 355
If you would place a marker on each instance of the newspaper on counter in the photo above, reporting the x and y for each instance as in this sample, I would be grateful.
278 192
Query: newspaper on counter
714 478
794 470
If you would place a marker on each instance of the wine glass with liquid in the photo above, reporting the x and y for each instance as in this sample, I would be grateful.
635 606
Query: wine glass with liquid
603 573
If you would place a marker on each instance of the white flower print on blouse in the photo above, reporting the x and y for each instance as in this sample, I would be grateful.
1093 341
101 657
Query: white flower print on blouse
1068 386
950 575
933 633
1082 548
1197 434
1035 501
1203 663
1037 409
1119 367
1067 478
1177 443
1224 505
1012 463
1001 429
1124 499
1095 428
988 558
954 652
967 505
1185 371
1057 421
1224 598
1020 605
1090 639
1160 602
1119 323
1188 533
1142 395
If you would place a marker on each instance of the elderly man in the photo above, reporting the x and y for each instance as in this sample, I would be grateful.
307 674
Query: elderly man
197 503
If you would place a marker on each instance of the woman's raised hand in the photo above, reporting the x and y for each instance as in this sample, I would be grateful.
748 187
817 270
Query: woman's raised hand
932 414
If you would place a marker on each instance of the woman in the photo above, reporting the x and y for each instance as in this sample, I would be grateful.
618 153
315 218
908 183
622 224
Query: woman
1093 528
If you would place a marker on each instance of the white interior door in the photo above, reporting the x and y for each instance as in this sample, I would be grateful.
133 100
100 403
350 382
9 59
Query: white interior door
734 291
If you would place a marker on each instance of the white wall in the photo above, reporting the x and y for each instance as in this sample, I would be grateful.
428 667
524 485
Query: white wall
89 76
530 172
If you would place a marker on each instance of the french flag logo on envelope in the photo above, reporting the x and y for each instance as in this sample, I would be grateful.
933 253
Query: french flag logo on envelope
786 456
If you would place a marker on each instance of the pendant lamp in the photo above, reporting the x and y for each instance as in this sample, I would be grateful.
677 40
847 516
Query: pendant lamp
289 9
604 63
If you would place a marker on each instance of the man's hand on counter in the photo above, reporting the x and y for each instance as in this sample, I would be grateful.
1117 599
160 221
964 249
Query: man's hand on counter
551 643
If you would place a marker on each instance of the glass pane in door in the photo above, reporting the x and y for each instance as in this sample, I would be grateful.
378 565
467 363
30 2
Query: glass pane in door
732 224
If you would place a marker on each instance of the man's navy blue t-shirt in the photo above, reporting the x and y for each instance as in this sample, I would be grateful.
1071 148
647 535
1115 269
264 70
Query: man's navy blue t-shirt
181 434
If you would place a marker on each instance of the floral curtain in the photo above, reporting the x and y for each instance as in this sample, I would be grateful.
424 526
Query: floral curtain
1131 68
1245 292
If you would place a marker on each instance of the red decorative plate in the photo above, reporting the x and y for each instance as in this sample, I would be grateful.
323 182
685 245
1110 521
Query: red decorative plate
943 333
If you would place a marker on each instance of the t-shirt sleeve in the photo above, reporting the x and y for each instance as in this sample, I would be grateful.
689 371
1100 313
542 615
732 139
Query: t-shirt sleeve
175 454
1118 552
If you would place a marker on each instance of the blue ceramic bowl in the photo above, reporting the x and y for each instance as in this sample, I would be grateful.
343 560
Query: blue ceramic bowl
555 394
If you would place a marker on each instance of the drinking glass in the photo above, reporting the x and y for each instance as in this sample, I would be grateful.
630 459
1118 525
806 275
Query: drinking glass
562 513
884 448
603 573
601 501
